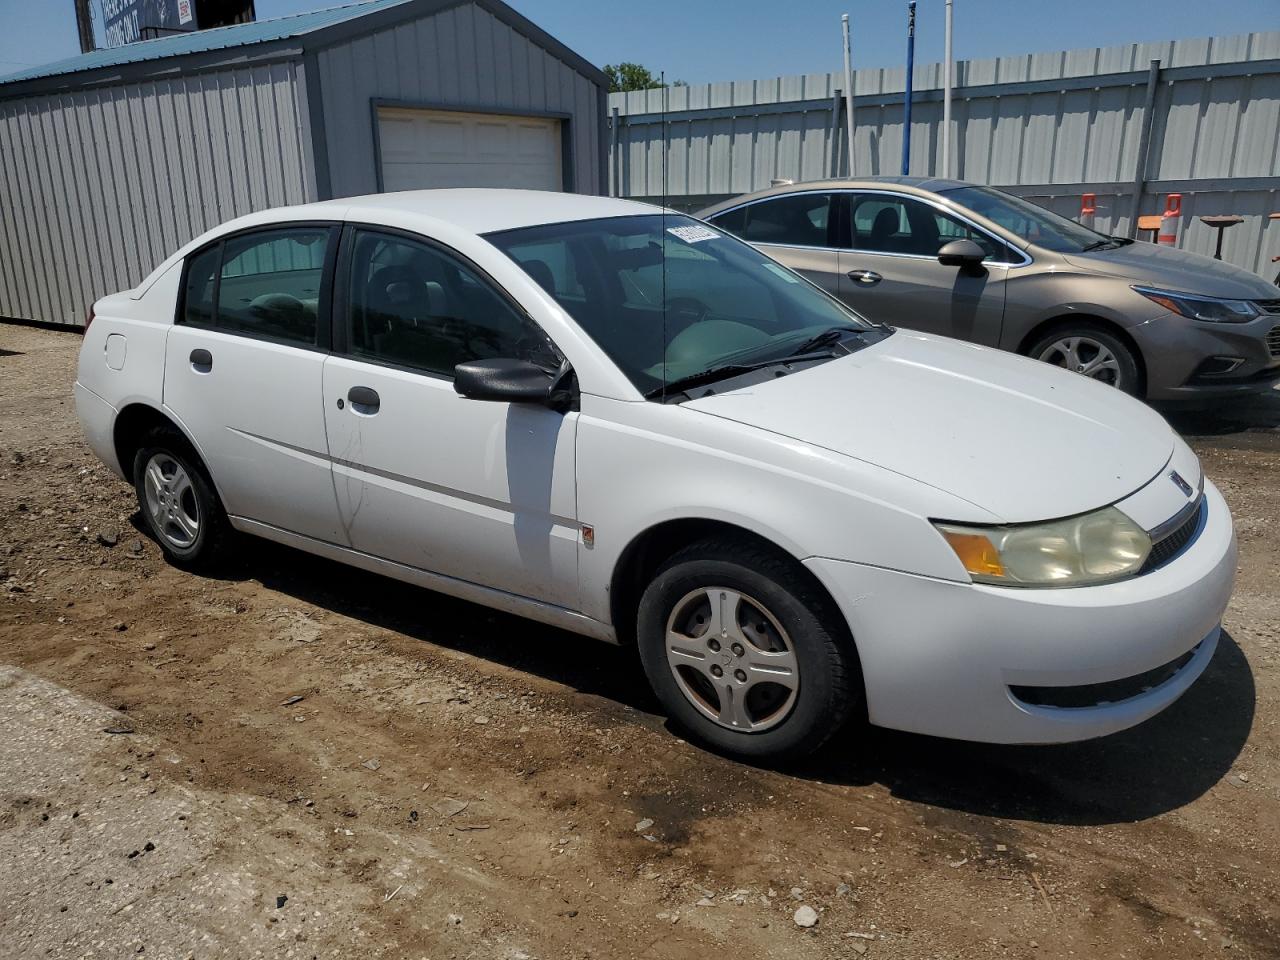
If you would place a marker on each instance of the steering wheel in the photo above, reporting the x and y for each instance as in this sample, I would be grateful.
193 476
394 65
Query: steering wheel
687 308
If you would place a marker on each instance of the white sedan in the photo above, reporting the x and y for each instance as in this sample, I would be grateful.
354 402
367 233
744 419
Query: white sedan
625 423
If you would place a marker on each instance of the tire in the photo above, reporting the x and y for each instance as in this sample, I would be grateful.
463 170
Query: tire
185 518
1092 342
782 610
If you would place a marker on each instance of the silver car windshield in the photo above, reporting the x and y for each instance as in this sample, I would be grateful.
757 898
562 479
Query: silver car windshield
667 297
1033 223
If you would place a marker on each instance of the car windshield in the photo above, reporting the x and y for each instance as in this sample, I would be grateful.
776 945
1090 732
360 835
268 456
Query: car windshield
668 298
1029 221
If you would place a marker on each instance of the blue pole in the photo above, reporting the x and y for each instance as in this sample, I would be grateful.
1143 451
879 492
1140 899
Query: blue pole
906 103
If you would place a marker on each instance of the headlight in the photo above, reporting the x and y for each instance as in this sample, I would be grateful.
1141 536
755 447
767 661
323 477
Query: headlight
1212 309
1081 551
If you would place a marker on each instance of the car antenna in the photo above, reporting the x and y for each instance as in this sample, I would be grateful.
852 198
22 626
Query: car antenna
662 80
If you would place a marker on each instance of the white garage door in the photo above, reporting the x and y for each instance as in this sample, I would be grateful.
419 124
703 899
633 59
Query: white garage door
446 148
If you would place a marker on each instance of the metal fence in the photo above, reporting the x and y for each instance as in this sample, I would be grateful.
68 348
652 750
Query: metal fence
1128 123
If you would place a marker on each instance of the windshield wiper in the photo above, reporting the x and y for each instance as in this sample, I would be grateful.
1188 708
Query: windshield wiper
1106 243
725 371
827 338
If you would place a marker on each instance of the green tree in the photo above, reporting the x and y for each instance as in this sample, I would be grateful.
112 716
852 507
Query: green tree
624 77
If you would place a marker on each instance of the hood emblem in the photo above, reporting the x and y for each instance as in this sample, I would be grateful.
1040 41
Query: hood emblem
1180 483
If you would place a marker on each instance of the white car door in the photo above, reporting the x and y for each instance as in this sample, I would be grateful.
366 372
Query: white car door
243 373
476 490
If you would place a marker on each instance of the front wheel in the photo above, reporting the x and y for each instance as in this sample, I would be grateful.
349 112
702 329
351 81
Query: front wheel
745 652
1093 352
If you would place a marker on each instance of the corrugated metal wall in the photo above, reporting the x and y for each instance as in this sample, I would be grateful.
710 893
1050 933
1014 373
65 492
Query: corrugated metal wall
98 186
463 57
1048 126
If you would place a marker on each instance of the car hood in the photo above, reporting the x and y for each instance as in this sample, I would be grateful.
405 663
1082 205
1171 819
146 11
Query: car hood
1157 266
1019 439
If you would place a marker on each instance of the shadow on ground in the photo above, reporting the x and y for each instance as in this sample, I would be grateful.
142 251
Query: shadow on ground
1253 419
1159 766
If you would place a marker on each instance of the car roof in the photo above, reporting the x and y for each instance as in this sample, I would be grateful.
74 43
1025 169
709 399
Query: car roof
909 184
484 210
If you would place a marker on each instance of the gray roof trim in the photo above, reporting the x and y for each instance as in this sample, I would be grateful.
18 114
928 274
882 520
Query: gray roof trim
293 47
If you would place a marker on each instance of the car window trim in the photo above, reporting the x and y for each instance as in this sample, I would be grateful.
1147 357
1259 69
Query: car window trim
851 192
847 193
324 304
341 313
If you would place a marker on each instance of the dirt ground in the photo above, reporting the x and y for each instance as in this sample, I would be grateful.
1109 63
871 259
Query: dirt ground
456 783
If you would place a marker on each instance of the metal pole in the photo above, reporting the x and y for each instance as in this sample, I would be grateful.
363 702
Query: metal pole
848 91
906 102
616 129
1144 148
947 70
84 23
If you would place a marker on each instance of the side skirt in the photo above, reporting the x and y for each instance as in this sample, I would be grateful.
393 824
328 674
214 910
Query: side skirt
462 589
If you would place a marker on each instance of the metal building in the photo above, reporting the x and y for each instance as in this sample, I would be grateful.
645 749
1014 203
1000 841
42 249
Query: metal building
111 160
1129 124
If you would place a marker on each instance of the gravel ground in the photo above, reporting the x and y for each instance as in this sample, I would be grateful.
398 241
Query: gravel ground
301 760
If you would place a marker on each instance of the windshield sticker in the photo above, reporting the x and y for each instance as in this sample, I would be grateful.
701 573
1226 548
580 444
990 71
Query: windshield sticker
693 234
782 272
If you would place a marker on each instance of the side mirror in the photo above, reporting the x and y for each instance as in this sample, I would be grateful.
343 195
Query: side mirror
515 381
962 253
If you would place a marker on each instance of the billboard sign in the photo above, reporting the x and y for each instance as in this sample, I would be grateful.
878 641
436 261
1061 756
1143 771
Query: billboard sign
124 20
127 21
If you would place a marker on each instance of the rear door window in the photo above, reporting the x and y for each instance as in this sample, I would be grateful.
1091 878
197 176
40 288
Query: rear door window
798 220
267 284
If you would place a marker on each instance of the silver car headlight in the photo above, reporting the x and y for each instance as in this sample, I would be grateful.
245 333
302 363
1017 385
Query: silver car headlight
1211 309
1093 548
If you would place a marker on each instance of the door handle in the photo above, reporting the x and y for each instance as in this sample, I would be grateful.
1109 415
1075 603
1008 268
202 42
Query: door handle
364 400
868 278
201 360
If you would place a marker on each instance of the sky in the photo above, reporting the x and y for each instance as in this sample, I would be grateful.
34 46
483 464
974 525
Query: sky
699 41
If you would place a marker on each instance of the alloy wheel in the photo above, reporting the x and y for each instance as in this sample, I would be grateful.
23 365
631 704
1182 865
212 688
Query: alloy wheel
732 659
171 501
1085 356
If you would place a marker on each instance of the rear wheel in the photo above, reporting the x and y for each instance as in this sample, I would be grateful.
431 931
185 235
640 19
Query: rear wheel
178 502
1091 351
744 651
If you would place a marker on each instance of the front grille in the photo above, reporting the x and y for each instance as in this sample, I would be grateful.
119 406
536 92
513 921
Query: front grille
1273 342
1172 544
1269 306
1097 694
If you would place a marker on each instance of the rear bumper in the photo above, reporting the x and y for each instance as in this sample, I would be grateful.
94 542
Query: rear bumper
940 657
97 420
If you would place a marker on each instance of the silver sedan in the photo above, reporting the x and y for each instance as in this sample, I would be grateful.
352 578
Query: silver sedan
975 263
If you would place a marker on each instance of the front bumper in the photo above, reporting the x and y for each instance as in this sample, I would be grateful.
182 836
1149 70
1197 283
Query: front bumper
939 657
1174 347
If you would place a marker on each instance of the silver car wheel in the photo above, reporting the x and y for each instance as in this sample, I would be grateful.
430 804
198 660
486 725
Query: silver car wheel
1085 356
732 659
171 501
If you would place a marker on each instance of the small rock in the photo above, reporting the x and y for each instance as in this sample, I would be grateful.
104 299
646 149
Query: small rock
797 893
806 916
120 627
108 538
281 901
644 825
135 547
292 700
149 846
842 890
1001 848
455 920
705 902
373 763
481 721
858 948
